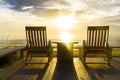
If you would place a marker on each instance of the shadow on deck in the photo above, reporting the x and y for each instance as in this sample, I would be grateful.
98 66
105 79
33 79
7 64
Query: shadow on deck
51 71
104 72
64 71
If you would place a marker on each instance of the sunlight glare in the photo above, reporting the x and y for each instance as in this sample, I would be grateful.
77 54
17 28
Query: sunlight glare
65 22
66 37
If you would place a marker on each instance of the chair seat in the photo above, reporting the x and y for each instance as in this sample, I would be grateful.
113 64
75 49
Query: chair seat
37 49
95 50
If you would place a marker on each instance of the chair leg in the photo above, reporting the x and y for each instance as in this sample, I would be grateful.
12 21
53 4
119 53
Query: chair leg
50 55
84 59
26 58
49 58
108 60
30 58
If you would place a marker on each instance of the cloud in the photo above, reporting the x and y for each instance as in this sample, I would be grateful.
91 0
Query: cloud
51 13
113 21
27 7
50 9
19 4
40 8
106 6
13 22
16 14
91 8
11 15
3 4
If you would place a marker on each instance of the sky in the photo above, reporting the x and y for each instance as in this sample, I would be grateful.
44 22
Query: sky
16 14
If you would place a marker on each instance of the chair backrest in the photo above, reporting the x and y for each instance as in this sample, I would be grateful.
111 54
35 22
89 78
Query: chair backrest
36 36
97 36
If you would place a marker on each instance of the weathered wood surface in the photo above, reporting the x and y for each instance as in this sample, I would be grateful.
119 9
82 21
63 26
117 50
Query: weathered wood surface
7 55
51 71
54 71
10 70
105 72
9 51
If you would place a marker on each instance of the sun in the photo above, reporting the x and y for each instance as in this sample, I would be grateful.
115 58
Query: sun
65 37
65 22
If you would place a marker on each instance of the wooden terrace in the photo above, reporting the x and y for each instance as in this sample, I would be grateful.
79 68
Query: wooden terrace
64 71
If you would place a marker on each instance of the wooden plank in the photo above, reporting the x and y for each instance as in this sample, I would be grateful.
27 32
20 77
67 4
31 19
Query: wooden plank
95 38
50 71
98 38
40 38
81 71
9 51
105 72
11 69
96 72
35 38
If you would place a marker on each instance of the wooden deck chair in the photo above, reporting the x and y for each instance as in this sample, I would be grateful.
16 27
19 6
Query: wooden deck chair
37 44
96 44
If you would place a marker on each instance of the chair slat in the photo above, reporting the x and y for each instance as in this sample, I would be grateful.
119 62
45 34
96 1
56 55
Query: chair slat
38 43
34 34
98 38
41 42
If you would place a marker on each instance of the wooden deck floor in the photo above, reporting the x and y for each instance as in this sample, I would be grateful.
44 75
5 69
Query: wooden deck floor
56 71
104 72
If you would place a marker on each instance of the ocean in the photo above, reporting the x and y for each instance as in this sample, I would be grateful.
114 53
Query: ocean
22 42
